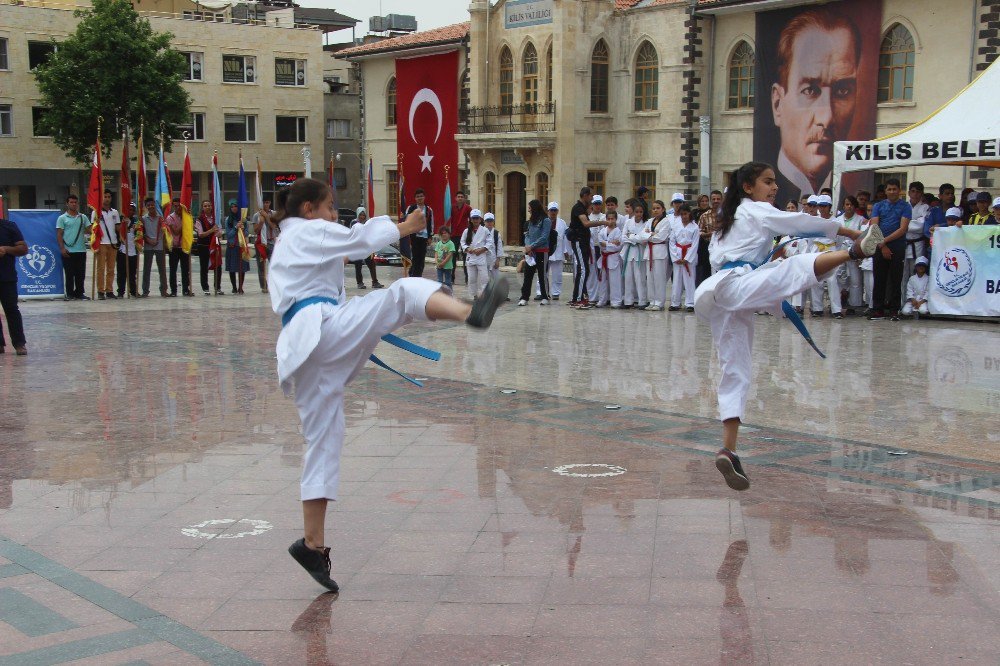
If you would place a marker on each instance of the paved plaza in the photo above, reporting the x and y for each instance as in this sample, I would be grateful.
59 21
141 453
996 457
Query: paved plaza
149 469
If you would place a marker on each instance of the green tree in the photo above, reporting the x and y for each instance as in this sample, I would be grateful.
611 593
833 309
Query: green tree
114 66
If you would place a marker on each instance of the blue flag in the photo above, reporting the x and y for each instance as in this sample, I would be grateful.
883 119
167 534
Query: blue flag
161 195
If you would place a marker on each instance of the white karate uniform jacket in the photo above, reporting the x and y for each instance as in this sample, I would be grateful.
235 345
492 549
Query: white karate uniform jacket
613 241
685 234
563 246
659 237
916 287
634 239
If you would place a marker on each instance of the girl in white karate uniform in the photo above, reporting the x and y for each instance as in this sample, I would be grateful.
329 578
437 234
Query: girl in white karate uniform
326 339
855 284
658 256
634 239
494 244
684 239
609 289
474 241
729 299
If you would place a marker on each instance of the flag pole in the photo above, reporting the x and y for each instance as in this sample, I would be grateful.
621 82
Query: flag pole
190 258
93 275
125 225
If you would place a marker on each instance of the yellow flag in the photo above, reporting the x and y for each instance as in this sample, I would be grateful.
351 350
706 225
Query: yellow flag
187 230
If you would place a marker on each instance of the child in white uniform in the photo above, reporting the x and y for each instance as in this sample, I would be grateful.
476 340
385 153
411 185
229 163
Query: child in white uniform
326 340
474 240
728 300
634 239
684 239
609 289
825 207
596 215
494 244
658 256
855 285
916 289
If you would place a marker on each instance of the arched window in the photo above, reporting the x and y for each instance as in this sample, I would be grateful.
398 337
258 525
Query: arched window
548 75
895 66
647 65
390 103
600 63
490 192
529 71
542 187
741 88
463 94
506 79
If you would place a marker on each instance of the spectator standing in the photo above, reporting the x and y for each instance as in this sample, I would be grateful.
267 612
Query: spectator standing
11 245
855 282
360 217
418 241
684 240
915 230
559 251
494 244
444 258
659 229
824 205
475 247
946 192
104 262
578 235
152 248
536 250
996 211
72 231
967 203
459 222
235 263
892 215
204 229
178 257
596 215
706 227
262 229
982 214
128 258
634 240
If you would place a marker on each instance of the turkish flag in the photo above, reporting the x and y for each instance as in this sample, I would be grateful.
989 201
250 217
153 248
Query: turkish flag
426 124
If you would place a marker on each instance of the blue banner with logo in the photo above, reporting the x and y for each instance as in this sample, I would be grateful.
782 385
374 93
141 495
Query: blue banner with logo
40 272
965 271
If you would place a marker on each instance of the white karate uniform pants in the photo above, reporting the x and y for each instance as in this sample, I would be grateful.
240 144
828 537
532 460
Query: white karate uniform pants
732 321
555 279
869 282
635 283
348 337
833 287
595 257
855 285
479 275
656 281
683 280
908 309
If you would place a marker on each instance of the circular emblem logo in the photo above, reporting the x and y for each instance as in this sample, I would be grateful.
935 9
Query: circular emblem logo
955 272
38 264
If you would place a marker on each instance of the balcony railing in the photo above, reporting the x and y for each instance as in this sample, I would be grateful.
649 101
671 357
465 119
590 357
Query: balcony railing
511 118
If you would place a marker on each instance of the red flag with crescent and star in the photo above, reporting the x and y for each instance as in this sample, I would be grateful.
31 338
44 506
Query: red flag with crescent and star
426 124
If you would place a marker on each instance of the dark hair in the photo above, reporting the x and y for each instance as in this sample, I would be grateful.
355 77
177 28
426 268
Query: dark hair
613 200
853 200
289 200
636 206
719 192
178 200
109 192
419 190
460 192
72 197
685 207
864 193
826 190
149 200
642 189
610 213
536 213
746 174
820 19
585 190
891 181
662 205
631 201
445 230
945 186
918 186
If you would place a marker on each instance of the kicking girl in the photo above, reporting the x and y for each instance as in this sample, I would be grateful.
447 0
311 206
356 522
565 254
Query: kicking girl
743 240
325 339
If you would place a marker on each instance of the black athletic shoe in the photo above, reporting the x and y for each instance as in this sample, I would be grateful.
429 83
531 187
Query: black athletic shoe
876 315
894 316
692 310
377 285
837 315
111 296
538 298
486 305
361 285
728 463
315 562
817 313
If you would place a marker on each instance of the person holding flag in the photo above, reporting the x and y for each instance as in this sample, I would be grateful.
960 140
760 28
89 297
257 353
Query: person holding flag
178 257
207 233
263 229
236 264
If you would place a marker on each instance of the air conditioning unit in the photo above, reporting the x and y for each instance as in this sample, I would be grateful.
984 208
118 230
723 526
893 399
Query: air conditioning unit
377 24
401 23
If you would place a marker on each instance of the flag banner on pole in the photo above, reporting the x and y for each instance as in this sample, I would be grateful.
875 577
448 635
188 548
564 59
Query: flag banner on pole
187 221
125 185
258 242
214 246
427 99
140 193
243 202
161 199
95 197
333 182
259 186
371 189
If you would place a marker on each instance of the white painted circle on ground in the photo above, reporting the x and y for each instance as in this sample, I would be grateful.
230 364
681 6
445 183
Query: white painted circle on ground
256 527
589 470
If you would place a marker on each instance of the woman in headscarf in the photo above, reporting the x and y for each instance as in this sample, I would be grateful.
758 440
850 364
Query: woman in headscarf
234 261
206 234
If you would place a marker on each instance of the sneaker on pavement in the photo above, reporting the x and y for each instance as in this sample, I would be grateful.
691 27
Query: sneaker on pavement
544 301
489 302
521 303
315 562
728 463
876 315
538 298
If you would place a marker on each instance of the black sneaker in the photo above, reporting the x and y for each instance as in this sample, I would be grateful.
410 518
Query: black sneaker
838 315
692 310
817 313
361 285
111 296
538 298
315 562
377 285
728 463
556 297
876 315
101 296
894 316
486 305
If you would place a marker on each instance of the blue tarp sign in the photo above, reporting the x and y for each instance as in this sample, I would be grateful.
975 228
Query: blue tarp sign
40 272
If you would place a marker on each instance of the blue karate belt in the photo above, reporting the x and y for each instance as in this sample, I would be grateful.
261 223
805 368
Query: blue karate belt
390 338
786 307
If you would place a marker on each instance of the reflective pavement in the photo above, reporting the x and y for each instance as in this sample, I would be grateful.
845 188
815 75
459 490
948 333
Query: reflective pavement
149 475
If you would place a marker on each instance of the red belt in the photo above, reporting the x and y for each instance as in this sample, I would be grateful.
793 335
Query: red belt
684 251
604 258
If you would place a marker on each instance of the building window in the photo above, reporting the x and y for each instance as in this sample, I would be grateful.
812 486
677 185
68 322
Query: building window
4 62
463 94
490 191
506 80
289 72
340 177
39 52
338 129
37 113
290 129
194 66
6 120
241 128
239 69
646 78
542 187
548 75
600 63
741 88
529 71
391 194
596 180
195 129
390 103
647 179
896 59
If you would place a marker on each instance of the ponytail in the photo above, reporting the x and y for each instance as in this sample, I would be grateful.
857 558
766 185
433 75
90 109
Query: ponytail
289 200
746 174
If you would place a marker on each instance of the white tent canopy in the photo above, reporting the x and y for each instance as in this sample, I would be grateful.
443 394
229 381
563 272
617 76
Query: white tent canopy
963 132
